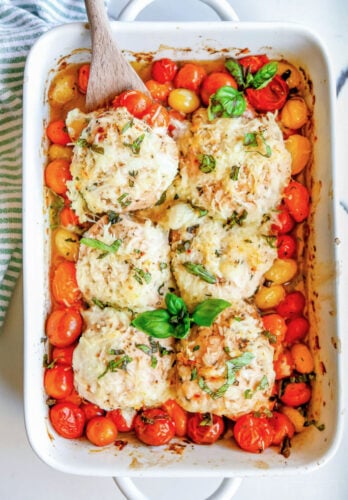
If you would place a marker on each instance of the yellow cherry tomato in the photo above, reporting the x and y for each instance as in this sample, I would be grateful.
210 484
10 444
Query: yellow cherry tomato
269 297
294 113
300 149
183 100
290 74
282 271
66 244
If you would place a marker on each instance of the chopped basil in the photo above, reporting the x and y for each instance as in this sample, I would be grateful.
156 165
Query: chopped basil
83 143
193 374
121 200
162 199
234 173
272 338
236 218
163 265
250 140
248 394
160 289
207 419
200 271
135 146
100 245
113 217
127 126
320 427
207 163
196 348
116 364
226 102
183 247
141 276
98 303
271 240
143 347
116 352
153 361
264 384
227 349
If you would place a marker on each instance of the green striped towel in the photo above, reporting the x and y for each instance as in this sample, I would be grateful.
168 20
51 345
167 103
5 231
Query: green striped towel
21 23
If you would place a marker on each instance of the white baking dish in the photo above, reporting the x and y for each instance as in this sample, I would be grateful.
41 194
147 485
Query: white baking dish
190 41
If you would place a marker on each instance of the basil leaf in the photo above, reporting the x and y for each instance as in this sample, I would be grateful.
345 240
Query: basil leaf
206 312
226 102
236 71
234 172
182 329
200 271
241 361
135 146
265 75
140 276
236 218
116 364
250 139
127 126
154 323
145 348
100 245
207 163
264 384
162 199
121 200
175 304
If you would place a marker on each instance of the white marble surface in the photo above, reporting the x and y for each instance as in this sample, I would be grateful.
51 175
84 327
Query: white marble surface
23 475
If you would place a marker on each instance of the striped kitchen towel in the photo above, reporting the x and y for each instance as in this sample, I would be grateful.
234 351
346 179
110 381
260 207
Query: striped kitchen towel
21 23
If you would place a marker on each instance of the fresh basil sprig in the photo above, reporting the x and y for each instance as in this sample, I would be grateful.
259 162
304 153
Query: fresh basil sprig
245 79
226 102
100 245
200 271
175 321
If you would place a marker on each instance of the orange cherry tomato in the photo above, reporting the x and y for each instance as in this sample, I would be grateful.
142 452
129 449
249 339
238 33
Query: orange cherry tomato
213 82
297 329
286 246
59 381
83 77
200 431
276 326
190 76
119 419
64 326
101 431
292 305
91 410
157 116
68 420
135 101
57 132
164 70
57 173
285 223
269 98
63 355
253 433
178 415
296 394
296 198
154 427
159 91
283 365
254 63
65 289
282 426
68 217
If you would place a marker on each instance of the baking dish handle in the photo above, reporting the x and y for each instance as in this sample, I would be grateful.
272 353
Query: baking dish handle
222 7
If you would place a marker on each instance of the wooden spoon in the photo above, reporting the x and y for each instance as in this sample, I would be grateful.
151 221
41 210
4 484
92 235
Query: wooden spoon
110 72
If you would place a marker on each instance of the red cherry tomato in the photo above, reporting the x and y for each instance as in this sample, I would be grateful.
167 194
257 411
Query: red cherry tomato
269 98
283 365
296 198
292 305
101 431
91 410
57 173
178 415
164 70
65 289
276 326
297 329
287 246
213 82
296 394
190 76
83 77
154 427
285 223
73 397
68 420
282 426
57 132
64 326
63 355
68 217
123 421
253 433
254 63
159 91
157 116
135 101
59 381
201 432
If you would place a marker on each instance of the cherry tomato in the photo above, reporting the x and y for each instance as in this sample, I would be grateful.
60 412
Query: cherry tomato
68 420
254 63
135 101
174 118
283 365
201 432
164 70
59 381
292 305
285 223
83 77
296 394
213 82
73 397
253 433
57 173
190 76
57 132
178 415
276 326
154 427
296 198
282 426
184 100
63 355
68 217
269 98
159 91
286 246
65 289
64 326
101 431
124 420
297 329
91 410
157 116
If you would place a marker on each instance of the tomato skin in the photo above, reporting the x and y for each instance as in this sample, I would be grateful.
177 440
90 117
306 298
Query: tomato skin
178 415
269 98
83 77
65 289
63 355
156 116
204 434
159 91
120 421
286 246
296 198
135 101
292 305
57 173
57 133
297 329
73 397
296 394
154 427
101 431
64 326
254 63
91 410
68 217
59 381
283 365
285 223
283 427
190 76
68 420
275 324
213 82
253 434
164 70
